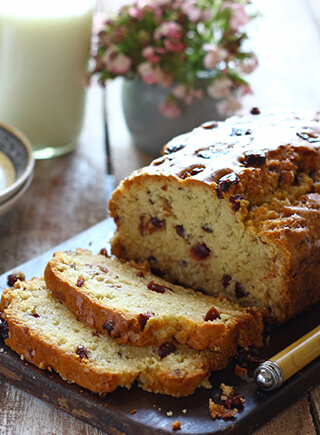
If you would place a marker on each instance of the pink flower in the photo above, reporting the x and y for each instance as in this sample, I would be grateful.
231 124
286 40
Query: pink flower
116 63
149 54
193 12
151 5
183 92
180 91
214 55
170 109
239 17
168 29
135 12
228 106
162 78
249 64
104 39
220 88
153 75
198 93
119 64
193 93
172 33
206 14
147 73
108 55
119 34
175 46
160 50
100 64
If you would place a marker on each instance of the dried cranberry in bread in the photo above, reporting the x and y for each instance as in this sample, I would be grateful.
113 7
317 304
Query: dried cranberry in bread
130 305
232 207
44 332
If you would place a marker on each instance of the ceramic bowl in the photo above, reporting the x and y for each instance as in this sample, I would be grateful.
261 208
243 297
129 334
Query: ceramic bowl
16 162
7 205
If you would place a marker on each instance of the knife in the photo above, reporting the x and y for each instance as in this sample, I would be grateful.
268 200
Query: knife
272 373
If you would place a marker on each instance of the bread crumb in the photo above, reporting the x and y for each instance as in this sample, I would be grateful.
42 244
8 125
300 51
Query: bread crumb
15 276
169 413
176 425
227 390
184 411
241 372
219 411
133 411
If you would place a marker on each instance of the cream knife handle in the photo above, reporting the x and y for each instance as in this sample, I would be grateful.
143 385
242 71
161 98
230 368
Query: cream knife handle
271 374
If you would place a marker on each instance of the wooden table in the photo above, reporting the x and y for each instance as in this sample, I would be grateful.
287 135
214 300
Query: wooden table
68 194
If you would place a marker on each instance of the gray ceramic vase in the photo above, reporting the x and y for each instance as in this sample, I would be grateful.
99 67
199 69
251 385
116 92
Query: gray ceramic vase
149 128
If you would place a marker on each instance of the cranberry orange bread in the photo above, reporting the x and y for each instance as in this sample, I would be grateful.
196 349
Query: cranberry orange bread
131 305
232 207
44 332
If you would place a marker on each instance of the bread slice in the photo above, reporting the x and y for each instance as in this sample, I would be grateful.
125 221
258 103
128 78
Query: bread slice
128 303
44 332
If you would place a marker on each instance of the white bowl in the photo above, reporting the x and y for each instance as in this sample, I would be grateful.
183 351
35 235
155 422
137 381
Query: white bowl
7 205
16 162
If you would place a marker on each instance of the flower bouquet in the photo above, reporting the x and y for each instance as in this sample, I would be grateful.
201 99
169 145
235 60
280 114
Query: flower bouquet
176 43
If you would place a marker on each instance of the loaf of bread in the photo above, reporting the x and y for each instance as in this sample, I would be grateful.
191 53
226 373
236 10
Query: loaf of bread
232 207
130 305
44 332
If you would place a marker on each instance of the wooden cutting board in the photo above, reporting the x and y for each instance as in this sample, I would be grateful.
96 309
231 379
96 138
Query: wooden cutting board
155 413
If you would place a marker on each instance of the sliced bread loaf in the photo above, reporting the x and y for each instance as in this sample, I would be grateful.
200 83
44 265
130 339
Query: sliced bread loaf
44 332
232 208
128 303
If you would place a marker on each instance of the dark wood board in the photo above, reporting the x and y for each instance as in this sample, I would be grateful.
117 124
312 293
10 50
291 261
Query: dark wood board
151 410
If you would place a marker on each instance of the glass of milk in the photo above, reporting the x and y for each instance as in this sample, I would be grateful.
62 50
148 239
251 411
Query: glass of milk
44 50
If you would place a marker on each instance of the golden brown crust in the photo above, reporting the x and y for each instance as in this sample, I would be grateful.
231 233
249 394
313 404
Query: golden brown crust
297 236
239 327
242 145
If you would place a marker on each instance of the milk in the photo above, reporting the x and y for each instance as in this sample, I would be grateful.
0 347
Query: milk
44 48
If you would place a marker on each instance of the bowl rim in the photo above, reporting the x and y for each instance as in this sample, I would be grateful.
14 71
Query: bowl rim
9 203
10 190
